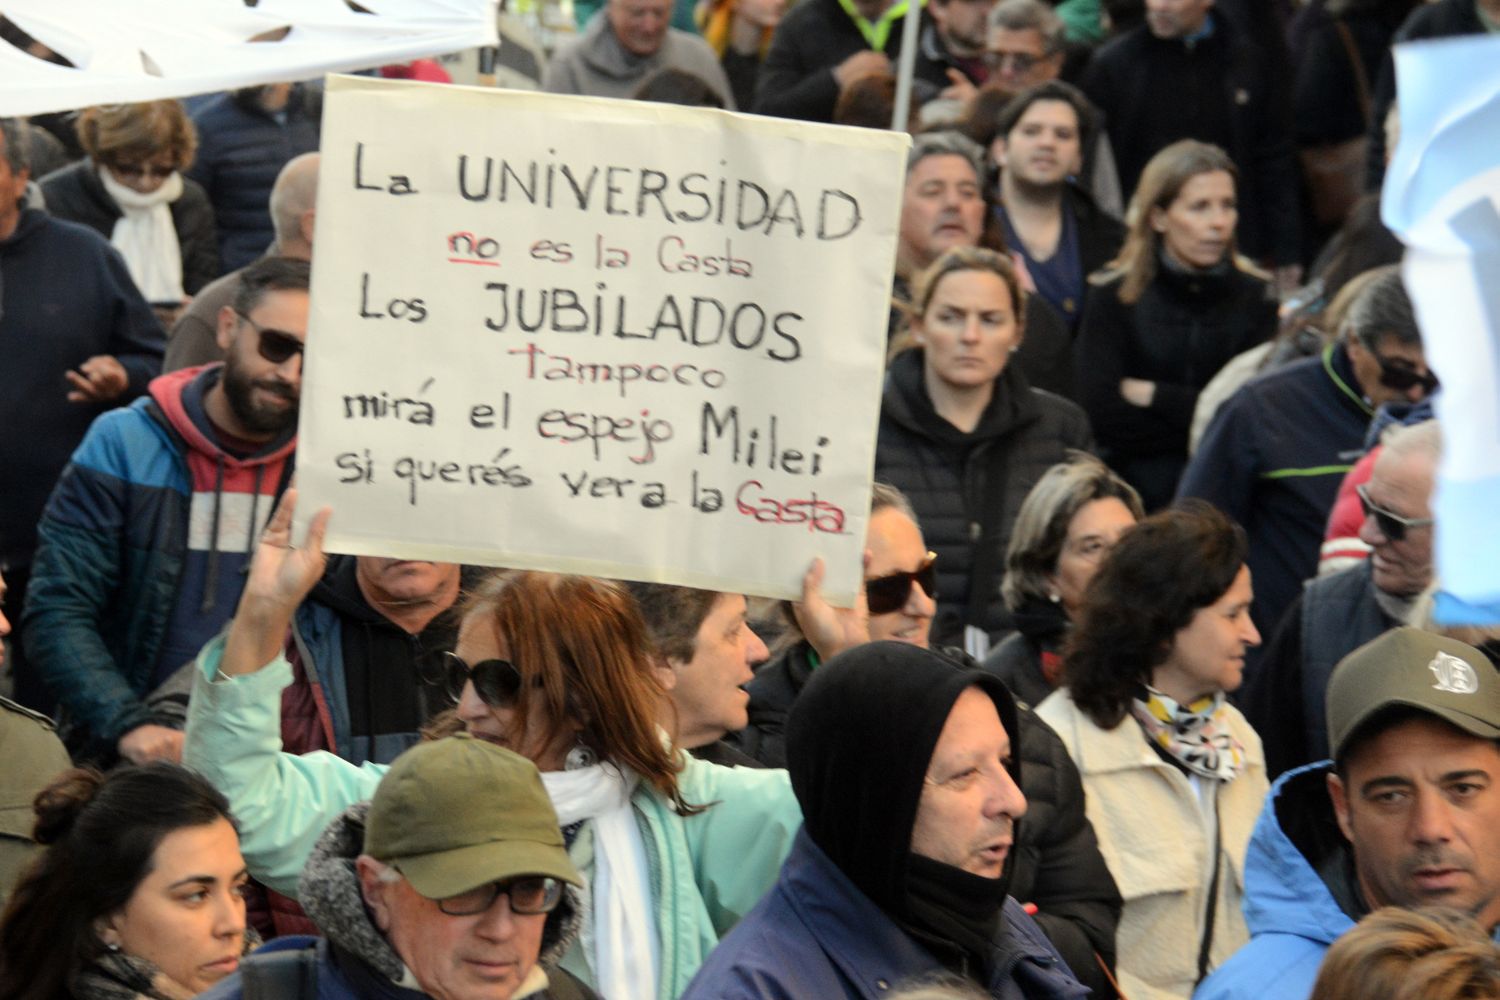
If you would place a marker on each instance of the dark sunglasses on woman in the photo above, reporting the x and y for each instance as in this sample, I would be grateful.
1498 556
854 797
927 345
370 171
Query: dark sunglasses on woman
885 594
497 682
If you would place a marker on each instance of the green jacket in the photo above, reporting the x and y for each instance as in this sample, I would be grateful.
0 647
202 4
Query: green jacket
706 870
33 756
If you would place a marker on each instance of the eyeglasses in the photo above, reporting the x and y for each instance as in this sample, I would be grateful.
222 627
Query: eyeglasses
497 682
1391 525
1401 377
275 346
1020 62
135 171
889 593
527 895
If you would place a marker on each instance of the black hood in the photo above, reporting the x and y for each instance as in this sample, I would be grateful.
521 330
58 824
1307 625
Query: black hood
907 403
859 739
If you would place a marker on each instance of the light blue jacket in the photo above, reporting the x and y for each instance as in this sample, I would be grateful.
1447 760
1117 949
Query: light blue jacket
1292 914
706 870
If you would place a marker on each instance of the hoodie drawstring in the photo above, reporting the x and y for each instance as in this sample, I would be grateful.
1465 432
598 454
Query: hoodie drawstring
211 578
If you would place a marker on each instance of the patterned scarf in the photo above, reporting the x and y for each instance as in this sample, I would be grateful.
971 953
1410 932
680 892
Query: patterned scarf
1194 735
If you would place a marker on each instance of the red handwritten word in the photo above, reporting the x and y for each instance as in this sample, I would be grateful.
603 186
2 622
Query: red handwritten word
818 515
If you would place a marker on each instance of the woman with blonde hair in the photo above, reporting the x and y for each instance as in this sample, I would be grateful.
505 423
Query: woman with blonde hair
131 189
1431 953
965 436
560 670
1176 304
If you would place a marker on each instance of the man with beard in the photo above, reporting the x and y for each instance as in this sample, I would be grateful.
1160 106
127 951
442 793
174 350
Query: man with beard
903 765
145 540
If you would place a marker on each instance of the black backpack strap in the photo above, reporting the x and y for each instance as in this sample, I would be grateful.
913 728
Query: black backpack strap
281 975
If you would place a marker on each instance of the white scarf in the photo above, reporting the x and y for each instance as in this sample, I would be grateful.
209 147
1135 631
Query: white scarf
146 238
619 922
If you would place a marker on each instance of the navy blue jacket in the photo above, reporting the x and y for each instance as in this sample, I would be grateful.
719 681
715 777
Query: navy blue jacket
1273 458
65 296
241 149
816 935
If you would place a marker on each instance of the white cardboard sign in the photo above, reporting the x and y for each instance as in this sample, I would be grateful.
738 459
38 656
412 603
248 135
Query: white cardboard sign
602 337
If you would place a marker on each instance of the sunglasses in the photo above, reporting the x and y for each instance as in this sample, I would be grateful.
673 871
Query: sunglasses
497 682
1020 62
135 171
889 593
275 346
1392 526
528 894
1398 376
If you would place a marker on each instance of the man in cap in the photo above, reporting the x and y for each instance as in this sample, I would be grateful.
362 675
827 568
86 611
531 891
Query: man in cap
1406 814
902 764
448 884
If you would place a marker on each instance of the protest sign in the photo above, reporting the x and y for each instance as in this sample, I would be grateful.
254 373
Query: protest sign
1442 195
603 337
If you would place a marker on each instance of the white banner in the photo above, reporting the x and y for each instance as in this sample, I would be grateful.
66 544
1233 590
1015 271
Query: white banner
143 50
630 340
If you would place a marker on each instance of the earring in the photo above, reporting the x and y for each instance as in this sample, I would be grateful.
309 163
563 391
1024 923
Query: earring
580 757
112 945
1054 596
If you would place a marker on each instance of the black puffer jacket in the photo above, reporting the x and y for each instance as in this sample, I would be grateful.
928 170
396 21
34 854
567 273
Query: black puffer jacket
968 488
1056 864
1178 334
76 194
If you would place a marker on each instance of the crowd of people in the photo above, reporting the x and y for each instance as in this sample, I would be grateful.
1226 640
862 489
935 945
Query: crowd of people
1142 696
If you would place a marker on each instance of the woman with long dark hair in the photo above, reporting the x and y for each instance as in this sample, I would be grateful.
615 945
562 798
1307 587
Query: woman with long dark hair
137 893
556 668
1173 774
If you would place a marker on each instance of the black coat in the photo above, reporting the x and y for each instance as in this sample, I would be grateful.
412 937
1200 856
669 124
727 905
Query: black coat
1443 19
1221 90
796 80
1056 863
76 194
968 488
1178 334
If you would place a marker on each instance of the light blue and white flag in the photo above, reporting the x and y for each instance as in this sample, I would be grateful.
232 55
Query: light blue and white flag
1442 196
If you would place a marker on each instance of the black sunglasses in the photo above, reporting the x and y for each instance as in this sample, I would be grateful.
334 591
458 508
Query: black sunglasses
528 894
1391 525
889 593
274 345
1399 376
497 682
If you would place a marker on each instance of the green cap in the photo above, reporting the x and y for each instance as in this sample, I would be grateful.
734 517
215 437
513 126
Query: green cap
456 813
1421 670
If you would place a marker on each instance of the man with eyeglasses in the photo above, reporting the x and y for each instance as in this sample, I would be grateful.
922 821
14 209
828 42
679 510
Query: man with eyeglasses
1337 613
433 890
1056 867
1274 454
76 339
146 538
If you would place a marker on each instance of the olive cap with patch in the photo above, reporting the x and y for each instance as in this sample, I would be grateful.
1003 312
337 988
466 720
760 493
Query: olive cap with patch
456 813
1415 669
